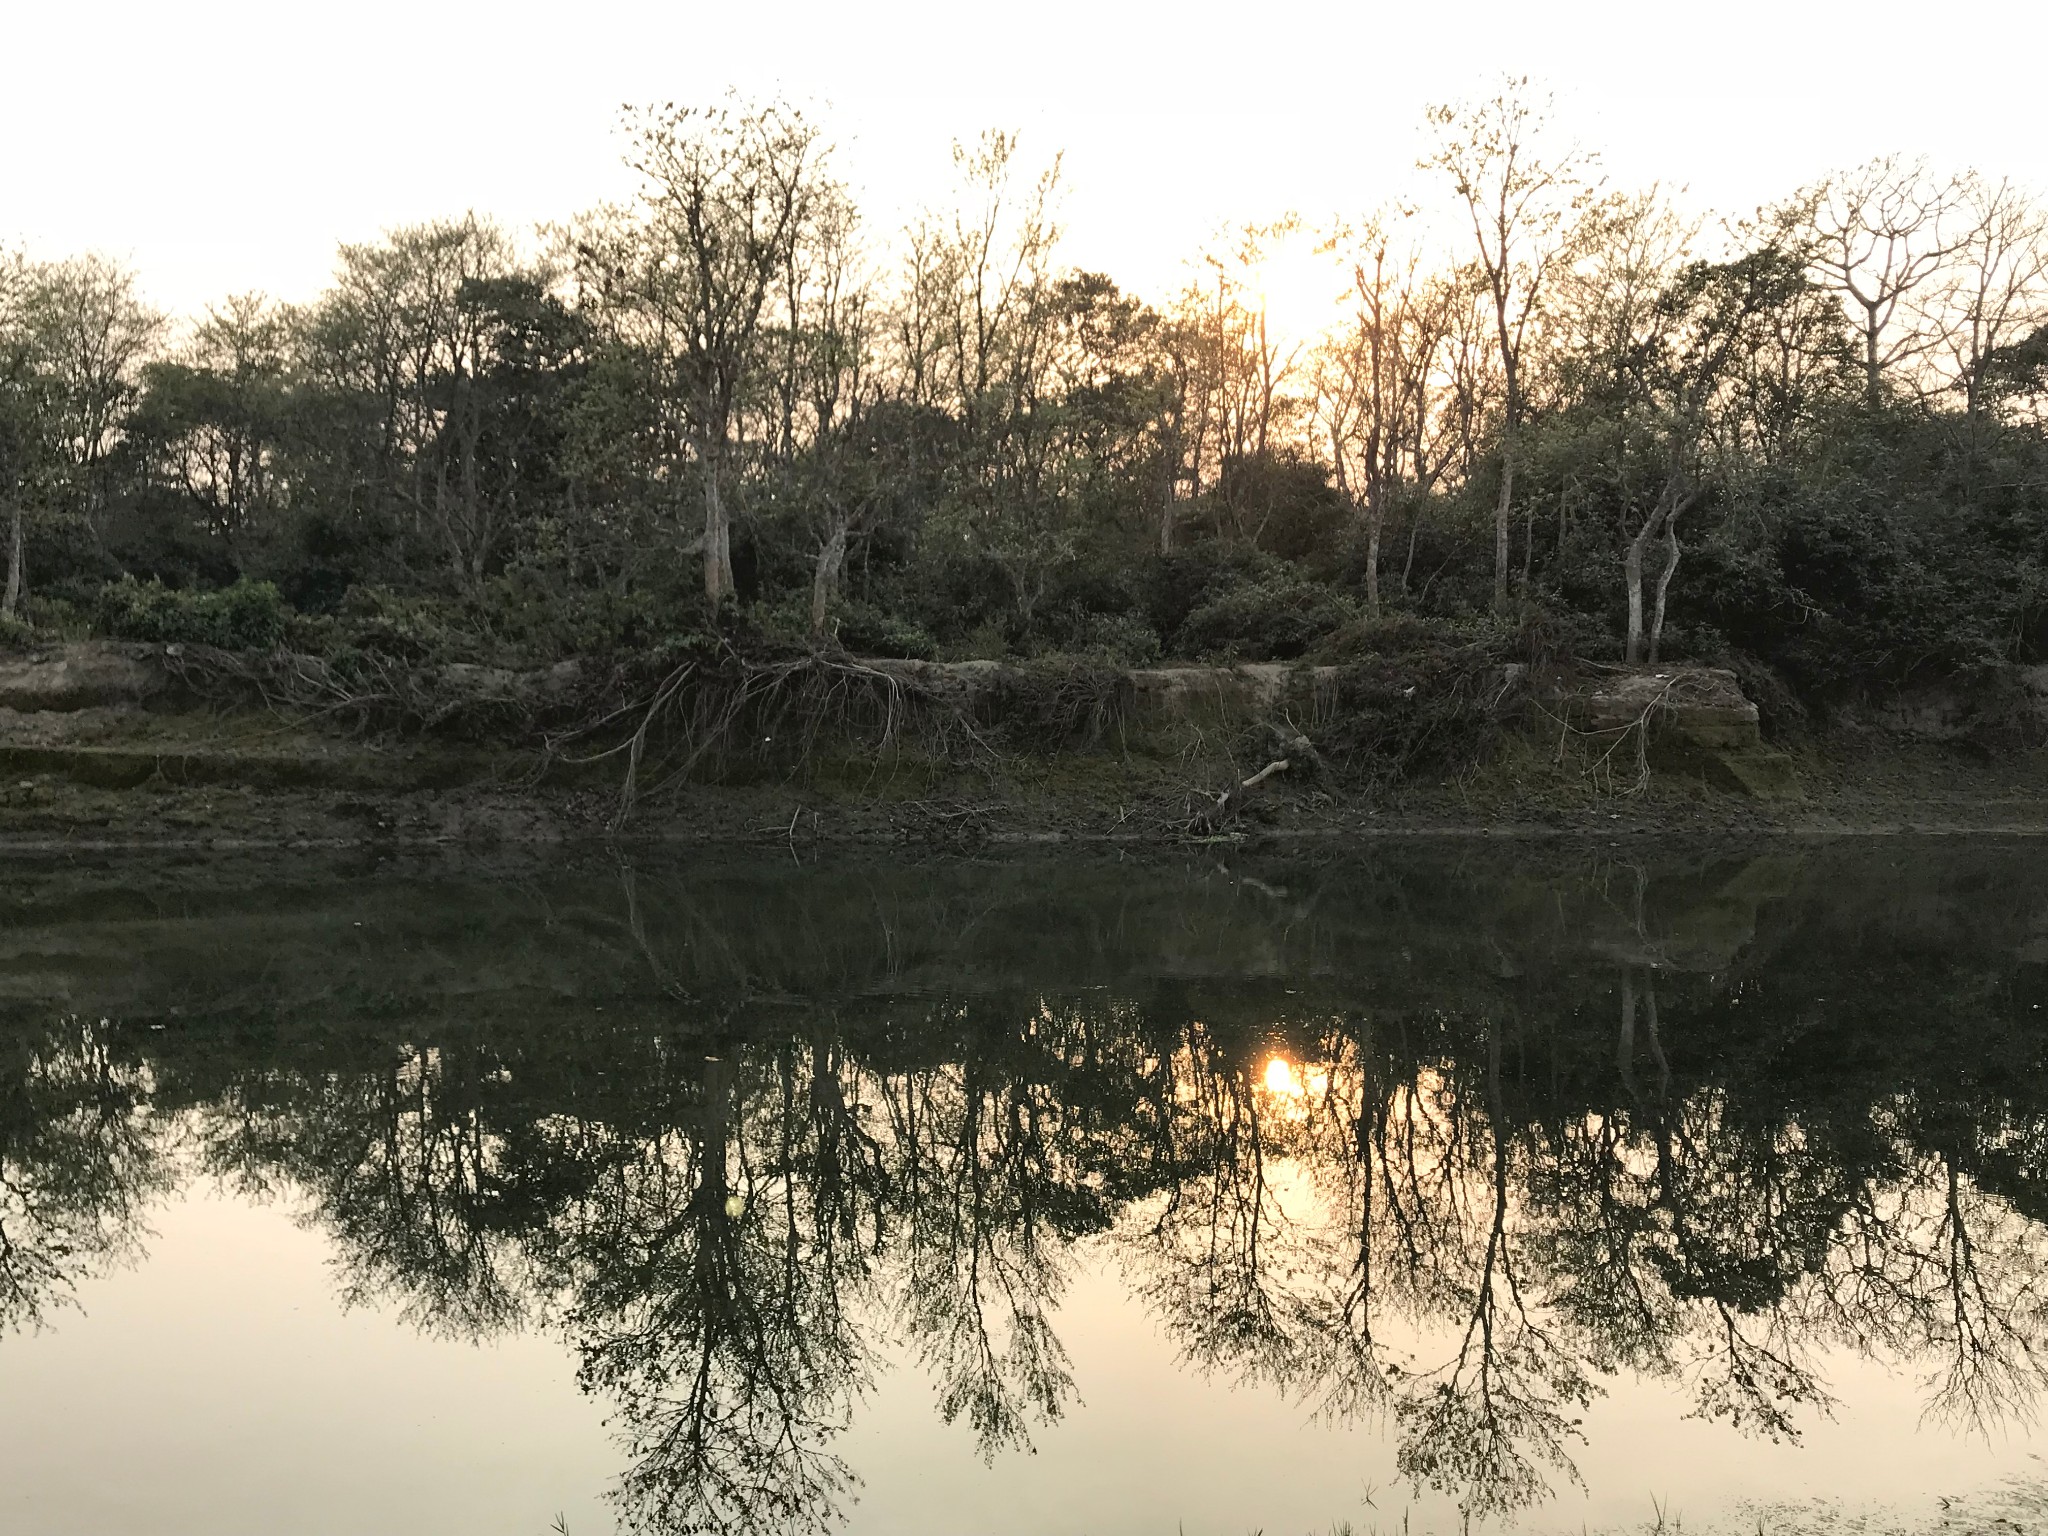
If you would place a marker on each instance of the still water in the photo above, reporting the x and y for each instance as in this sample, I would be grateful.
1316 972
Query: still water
1419 1188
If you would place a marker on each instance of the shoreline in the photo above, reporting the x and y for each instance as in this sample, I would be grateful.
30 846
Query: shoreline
304 824
102 747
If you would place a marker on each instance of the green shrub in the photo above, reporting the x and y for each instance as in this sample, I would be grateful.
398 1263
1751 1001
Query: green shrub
377 621
1393 634
1171 587
867 630
248 616
535 617
1276 618
1118 639
860 627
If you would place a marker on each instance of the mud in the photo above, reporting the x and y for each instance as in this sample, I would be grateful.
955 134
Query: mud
97 750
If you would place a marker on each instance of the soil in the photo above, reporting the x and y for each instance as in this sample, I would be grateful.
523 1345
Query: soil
1851 786
105 762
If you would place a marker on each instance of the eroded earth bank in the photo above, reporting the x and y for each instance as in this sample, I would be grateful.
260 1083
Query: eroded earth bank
134 743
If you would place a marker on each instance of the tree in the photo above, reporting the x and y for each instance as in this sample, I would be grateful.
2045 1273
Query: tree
1674 374
1520 207
1882 237
827 385
89 334
213 418
20 428
1245 408
403 347
1996 287
978 331
1380 385
729 196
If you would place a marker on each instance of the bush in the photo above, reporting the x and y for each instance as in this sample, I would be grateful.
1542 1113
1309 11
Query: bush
1119 639
528 617
1277 618
379 622
1173 586
867 630
248 616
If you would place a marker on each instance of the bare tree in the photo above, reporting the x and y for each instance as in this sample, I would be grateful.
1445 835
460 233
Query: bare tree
1235 382
977 328
1520 206
1996 287
1882 237
1378 384
729 194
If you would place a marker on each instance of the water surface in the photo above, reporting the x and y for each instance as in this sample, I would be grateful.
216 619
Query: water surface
1524 1187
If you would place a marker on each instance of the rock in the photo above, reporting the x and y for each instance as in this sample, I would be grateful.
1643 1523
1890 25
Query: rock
79 677
2034 683
1757 772
1997 704
548 685
1696 706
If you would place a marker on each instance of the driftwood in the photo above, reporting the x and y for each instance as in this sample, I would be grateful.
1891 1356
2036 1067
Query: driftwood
1210 819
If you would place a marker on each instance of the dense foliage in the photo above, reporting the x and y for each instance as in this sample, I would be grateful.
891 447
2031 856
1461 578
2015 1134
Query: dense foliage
1811 440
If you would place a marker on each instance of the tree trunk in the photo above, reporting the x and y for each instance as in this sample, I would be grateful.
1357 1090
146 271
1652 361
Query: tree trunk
1375 517
1500 529
1169 490
1632 571
1528 544
825 578
718 585
1670 542
10 600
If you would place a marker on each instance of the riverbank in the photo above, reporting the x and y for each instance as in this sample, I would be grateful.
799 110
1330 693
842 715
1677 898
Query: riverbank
115 746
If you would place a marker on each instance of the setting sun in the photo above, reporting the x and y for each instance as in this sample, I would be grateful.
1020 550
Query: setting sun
1298 287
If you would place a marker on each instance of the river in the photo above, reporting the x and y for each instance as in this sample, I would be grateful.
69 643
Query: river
1423 1186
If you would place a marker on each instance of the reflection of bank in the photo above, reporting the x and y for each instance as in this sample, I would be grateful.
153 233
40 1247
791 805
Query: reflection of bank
1551 1171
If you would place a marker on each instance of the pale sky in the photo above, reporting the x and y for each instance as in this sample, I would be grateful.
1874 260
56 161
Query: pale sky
222 145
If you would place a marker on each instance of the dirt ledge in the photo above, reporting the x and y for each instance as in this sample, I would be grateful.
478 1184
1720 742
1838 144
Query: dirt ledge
98 748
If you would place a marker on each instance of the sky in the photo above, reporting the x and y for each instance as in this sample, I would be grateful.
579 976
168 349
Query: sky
228 145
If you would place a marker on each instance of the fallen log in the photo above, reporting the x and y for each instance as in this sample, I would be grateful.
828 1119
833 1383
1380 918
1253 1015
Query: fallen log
1210 819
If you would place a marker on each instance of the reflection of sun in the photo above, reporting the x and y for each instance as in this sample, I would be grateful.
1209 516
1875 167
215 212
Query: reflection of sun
1282 1078
1288 1081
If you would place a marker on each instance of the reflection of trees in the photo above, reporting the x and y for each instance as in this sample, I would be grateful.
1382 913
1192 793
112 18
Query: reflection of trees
712 1306
397 1157
987 1206
80 1160
1461 1215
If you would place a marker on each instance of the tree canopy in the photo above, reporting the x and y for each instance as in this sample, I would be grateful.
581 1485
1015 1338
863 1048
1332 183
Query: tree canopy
1810 437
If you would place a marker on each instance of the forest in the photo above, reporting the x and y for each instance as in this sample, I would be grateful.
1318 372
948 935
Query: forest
1807 442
